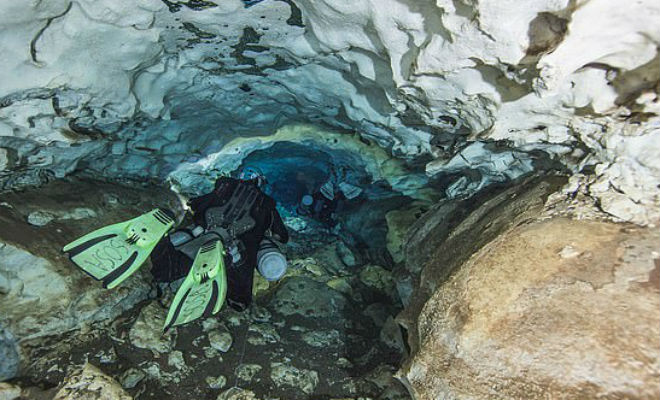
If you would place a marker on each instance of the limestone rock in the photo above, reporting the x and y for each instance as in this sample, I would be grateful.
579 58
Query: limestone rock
216 382
131 377
44 217
67 299
236 393
525 318
40 218
259 286
262 334
346 255
9 391
76 214
344 363
315 269
209 324
5 285
152 369
210 352
9 354
304 296
288 375
341 285
398 223
404 286
379 279
175 359
147 331
108 356
91 384
322 339
391 335
221 340
246 372
390 388
234 318
259 314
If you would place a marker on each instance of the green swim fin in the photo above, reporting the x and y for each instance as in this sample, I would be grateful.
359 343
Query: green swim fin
204 289
114 252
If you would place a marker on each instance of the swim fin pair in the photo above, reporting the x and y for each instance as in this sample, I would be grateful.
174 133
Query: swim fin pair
113 253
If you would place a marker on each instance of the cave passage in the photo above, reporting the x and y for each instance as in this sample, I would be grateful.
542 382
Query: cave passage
466 185
294 170
339 293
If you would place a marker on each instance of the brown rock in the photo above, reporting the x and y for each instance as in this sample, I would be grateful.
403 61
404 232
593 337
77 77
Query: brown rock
91 384
558 309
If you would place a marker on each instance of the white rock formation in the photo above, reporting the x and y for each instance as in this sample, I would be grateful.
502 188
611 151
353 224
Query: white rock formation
136 89
39 300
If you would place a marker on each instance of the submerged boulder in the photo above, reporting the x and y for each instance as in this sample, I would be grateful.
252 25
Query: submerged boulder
147 331
307 297
9 391
91 384
288 375
556 308
236 393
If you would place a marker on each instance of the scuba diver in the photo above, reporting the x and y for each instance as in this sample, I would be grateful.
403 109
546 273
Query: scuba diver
322 204
236 228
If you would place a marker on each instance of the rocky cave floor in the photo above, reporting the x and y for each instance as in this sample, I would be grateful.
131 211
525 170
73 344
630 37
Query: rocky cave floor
325 331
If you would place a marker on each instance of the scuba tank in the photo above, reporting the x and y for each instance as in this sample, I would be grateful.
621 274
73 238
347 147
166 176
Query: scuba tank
182 236
271 263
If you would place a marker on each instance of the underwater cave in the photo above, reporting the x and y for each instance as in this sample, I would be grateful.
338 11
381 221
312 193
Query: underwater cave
329 199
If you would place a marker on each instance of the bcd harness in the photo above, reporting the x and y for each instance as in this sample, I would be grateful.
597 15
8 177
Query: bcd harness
227 222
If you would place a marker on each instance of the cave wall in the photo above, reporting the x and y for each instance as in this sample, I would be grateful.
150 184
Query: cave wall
41 295
517 295
471 88
475 92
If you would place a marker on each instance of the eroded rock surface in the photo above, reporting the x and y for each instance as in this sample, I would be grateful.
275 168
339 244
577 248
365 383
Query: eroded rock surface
307 297
41 292
147 331
558 308
445 83
9 392
91 384
301 337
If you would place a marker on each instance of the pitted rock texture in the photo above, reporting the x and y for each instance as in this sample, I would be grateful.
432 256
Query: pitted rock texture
143 89
9 391
556 308
42 293
309 298
91 384
300 338
147 331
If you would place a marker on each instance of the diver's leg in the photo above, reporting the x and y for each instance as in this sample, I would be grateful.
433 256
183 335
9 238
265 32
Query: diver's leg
239 284
168 264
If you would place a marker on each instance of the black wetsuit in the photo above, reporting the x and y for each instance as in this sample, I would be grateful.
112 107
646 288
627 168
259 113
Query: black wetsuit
322 208
170 264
